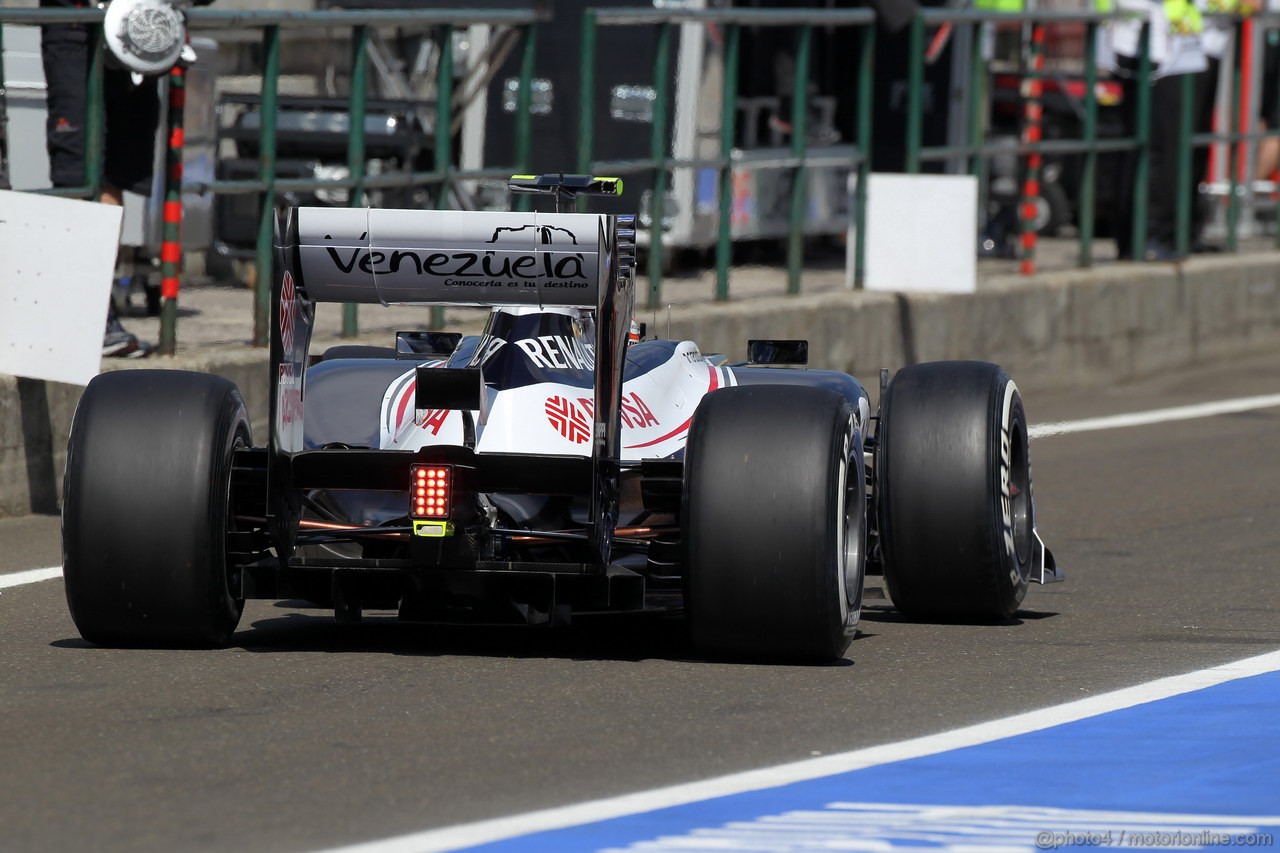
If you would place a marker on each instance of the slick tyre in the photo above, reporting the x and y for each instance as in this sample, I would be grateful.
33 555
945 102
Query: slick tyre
774 521
145 508
953 485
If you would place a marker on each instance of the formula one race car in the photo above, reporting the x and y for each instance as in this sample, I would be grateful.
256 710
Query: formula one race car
549 467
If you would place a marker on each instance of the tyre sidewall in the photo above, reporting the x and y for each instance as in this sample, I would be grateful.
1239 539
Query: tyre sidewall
855 488
1014 546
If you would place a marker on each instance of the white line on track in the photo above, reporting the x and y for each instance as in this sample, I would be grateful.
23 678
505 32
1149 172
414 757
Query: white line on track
1157 416
466 835
30 576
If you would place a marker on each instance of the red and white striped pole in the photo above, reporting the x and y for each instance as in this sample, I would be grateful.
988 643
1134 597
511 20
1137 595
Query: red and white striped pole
171 246
1032 114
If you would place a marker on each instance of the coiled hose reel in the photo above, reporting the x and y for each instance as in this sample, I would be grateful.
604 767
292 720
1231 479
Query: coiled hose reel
147 37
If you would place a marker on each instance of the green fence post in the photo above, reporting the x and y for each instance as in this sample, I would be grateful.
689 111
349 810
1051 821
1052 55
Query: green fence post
866 73
524 116
444 117
799 144
728 122
1089 168
94 121
1182 204
1233 150
915 94
443 139
355 147
587 92
1143 143
4 121
266 174
977 114
658 152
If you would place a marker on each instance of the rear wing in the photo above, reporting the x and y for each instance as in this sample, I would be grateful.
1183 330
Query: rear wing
458 258
450 257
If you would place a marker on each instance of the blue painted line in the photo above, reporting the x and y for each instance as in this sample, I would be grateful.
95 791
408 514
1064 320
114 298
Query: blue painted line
1201 766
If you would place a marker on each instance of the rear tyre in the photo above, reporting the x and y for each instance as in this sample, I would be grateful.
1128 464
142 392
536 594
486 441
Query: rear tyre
953 482
145 505
774 521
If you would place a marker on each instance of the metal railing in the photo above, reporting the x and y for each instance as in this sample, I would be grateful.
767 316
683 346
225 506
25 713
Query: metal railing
660 162
979 150
443 176
1234 138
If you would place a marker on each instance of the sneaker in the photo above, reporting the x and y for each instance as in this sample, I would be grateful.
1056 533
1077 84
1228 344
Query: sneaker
118 342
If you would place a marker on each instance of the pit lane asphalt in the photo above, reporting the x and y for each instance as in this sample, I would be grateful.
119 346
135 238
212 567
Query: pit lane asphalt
306 734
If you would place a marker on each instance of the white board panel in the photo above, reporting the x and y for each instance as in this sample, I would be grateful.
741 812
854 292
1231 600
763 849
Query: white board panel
922 233
57 257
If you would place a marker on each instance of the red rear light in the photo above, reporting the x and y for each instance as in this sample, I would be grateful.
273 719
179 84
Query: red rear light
429 491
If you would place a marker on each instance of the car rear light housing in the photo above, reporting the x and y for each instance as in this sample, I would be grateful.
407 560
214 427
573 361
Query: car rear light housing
430 491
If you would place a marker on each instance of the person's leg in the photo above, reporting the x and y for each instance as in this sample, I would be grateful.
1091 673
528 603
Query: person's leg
1162 192
65 55
1206 93
1123 225
132 113
1269 149
1268 154
132 116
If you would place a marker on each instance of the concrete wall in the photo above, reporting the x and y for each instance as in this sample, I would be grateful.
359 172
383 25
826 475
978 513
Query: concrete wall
1074 329
35 419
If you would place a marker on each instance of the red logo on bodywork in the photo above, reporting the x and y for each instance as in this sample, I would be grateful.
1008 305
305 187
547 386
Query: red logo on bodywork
434 419
635 414
570 420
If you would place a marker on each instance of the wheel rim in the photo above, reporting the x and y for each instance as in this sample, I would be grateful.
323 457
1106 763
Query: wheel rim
849 538
1020 487
240 441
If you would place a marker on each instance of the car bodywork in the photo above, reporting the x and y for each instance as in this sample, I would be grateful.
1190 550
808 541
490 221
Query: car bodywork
561 438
